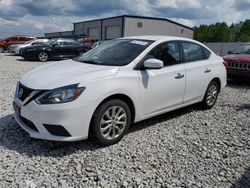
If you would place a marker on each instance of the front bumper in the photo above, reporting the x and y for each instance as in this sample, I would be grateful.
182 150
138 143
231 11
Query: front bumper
73 117
32 55
238 73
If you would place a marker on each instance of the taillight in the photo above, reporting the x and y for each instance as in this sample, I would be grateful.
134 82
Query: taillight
225 64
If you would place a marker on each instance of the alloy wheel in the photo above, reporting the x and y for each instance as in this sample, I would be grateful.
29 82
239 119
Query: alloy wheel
43 56
212 94
1 49
113 122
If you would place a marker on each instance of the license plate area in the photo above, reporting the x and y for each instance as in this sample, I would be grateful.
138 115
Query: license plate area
16 108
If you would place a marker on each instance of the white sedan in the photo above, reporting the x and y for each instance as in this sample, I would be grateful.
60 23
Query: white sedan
16 48
118 83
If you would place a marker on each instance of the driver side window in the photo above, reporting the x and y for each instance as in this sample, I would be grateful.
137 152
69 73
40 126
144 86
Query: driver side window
169 53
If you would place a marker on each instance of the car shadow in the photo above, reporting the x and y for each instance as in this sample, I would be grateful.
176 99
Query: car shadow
244 181
164 117
15 138
26 60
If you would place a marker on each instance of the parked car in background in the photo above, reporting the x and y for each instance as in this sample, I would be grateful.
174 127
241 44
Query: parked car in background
238 62
98 43
5 43
15 48
88 42
122 81
53 49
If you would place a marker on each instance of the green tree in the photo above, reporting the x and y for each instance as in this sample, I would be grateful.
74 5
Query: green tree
218 32
245 31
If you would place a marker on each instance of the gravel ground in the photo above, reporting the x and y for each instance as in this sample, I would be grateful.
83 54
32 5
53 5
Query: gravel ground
184 148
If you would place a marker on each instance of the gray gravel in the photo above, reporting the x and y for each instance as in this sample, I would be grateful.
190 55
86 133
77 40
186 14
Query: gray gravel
185 148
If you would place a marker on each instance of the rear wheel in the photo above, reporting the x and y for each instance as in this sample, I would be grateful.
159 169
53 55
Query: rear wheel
1 49
211 95
111 121
43 56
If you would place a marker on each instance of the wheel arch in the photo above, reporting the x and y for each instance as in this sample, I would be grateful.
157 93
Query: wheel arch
218 81
124 98
120 96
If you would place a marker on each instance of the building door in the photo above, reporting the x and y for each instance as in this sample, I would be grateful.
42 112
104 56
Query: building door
112 32
94 33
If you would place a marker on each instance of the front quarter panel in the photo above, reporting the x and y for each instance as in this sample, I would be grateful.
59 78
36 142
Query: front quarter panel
125 82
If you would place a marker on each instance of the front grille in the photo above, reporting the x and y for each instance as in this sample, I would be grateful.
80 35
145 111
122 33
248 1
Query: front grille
23 92
28 123
238 65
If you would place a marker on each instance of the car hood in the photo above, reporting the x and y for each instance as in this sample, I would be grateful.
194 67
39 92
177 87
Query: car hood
238 58
64 73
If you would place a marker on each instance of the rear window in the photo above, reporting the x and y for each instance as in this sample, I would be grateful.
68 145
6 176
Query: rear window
206 53
12 39
25 38
192 52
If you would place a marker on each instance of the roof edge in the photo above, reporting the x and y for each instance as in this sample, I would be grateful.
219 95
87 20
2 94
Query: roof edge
140 17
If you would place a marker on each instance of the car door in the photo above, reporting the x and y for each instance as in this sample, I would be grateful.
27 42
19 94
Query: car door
58 49
163 88
11 41
74 48
68 48
198 70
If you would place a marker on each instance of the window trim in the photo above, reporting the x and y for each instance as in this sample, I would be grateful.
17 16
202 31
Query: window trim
202 50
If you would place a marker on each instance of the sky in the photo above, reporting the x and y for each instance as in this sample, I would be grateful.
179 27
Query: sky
35 17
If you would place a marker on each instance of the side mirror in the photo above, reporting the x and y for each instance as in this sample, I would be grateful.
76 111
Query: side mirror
153 64
229 52
7 40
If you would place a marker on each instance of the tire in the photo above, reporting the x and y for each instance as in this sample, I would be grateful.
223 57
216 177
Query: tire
211 95
106 129
43 56
1 49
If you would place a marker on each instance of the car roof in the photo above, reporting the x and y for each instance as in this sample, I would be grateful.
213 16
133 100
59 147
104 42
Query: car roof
25 36
165 38
158 37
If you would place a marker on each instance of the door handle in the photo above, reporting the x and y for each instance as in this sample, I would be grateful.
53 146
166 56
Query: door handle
207 70
179 76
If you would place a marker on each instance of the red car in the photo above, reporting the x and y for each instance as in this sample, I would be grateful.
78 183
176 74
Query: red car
17 39
238 62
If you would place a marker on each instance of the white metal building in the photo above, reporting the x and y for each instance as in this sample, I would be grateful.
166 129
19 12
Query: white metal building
127 25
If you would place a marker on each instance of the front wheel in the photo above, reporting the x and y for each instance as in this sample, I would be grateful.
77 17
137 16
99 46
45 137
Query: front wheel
43 56
211 95
1 49
111 121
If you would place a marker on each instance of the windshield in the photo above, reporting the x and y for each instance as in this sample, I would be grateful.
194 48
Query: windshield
115 52
30 41
50 41
245 49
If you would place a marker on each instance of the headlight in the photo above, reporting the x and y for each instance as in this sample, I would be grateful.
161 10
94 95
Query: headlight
61 95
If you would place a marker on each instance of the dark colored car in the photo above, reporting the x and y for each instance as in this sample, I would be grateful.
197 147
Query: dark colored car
5 43
53 49
238 62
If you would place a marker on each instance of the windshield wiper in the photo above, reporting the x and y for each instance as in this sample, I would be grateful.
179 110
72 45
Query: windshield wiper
90 62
